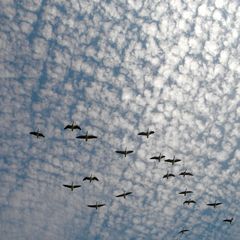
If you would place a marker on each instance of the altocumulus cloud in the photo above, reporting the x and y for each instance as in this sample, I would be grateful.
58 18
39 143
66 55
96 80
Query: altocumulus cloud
118 68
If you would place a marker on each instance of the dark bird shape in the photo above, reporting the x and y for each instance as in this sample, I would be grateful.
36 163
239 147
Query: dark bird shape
71 186
185 173
124 194
183 231
91 178
86 137
97 205
147 133
168 175
214 204
124 152
189 201
158 158
37 134
229 220
72 126
173 161
185 192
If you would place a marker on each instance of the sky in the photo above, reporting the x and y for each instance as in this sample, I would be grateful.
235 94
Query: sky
117 68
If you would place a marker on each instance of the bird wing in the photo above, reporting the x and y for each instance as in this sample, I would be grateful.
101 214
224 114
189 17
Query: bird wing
95 178
169 160
76 186
142 133
155 158
68 186
127 152
91 136
192 201
120 195
76 127
33 133
151 132
188 191
86 178
128 193
189 174
121 152
165 176
92 206
68 126
211 204
82 137
186 202
218 204
182 192
41 135
101 205
171 175
177 160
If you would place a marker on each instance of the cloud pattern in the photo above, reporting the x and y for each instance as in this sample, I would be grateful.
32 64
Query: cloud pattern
118 68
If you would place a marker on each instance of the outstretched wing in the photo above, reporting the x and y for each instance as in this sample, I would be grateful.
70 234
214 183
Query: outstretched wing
33 133
169 160
127 152
218 204
76 127
100 205
120 152
95 178
91 136
142 134
120 195
40 135
188 174
92 206
151 132
68 186
82 137
86 178
177 160
68 126
76 186
171 175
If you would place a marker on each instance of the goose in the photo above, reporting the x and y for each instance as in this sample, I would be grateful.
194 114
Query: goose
97 205
158 158
185 173
124 194
71 186
72 126
147 133
37 134
173 161
91 178
168 175
183 231
86 137
214 204
185 192
188 202
229 220
124 152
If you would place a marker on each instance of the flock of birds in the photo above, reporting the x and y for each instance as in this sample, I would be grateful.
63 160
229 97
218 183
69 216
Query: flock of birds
125 152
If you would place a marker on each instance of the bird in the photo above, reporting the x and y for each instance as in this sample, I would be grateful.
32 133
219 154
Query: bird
168 175
185 173
229 220
86 137
185 192
158 158
189 201
97 205
173 161
72 126
214 204
37 134
124 194
71 186
125 152
183 231
91 178
147 133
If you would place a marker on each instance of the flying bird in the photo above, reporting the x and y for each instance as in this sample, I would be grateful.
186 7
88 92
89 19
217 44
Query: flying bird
189 201
173 161
158 158
91 178
185 173
86 137
185 192
147 133
125 152
71 186
72 126
97 205
37 134
229 220
214 204
124 194
183 231
168 175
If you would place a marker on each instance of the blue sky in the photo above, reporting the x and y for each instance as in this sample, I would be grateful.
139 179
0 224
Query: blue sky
118 68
